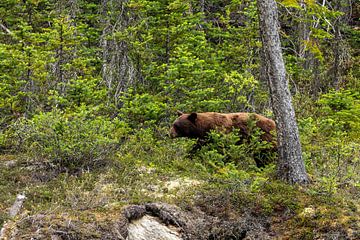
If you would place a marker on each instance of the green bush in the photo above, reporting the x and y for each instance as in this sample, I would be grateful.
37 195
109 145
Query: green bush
145 148
342 112
330 142
334 161
68 142
223 150
142 109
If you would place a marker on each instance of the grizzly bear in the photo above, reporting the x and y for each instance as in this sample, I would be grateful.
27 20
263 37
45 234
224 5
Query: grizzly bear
198 125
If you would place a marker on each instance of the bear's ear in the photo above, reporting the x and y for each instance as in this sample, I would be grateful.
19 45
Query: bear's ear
192 117
179 113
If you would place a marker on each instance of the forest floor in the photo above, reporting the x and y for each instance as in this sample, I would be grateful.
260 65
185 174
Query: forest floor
90 204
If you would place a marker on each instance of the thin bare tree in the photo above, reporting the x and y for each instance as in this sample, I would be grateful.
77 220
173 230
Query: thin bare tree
118 68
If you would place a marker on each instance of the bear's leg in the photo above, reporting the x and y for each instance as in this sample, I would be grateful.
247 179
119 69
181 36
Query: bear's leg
197 146
264 157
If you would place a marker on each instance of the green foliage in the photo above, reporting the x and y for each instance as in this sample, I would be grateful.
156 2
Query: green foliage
342 111
330 142
238 87
222 149
224 153
79 92
146 148
336 162
12 91
85 82
188 60
310 33
69 142
142 109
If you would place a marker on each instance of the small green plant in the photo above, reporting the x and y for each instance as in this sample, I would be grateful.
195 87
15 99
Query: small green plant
144 148
330 142
68 142
342 112
142 109
222 150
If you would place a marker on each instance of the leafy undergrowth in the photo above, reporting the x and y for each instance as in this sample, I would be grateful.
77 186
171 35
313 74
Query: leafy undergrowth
87 204
79 171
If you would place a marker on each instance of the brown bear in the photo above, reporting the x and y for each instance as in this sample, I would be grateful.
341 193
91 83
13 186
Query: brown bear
198 125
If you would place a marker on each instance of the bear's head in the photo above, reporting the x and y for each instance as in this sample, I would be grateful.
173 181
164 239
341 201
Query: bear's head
186 126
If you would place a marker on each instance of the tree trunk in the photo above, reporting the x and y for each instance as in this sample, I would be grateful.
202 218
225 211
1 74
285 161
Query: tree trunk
290 164
118 71
339 45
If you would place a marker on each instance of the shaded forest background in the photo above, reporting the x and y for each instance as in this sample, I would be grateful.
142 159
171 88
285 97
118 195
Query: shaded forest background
90 84
142 59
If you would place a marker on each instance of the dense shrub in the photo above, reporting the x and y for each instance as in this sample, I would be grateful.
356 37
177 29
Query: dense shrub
67 142
342 112
330 141
146 148
142 109
225 150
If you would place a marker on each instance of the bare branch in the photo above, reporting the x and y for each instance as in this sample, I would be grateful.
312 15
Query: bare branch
5 28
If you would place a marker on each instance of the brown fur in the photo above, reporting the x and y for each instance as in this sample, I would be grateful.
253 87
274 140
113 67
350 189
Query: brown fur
198 125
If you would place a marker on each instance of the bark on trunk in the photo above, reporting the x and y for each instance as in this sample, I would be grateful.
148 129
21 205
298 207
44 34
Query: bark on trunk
290 164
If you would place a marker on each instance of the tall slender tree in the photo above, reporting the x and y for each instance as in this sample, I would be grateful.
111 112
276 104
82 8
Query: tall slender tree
290 165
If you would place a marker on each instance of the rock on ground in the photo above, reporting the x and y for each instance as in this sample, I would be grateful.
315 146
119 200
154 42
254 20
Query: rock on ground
151 221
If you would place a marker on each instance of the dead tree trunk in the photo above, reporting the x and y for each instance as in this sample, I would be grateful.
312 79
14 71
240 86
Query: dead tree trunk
118 70
290 164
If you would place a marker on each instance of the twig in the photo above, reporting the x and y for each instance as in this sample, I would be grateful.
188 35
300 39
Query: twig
5 28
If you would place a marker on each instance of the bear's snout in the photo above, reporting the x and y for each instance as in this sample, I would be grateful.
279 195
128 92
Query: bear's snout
173 133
